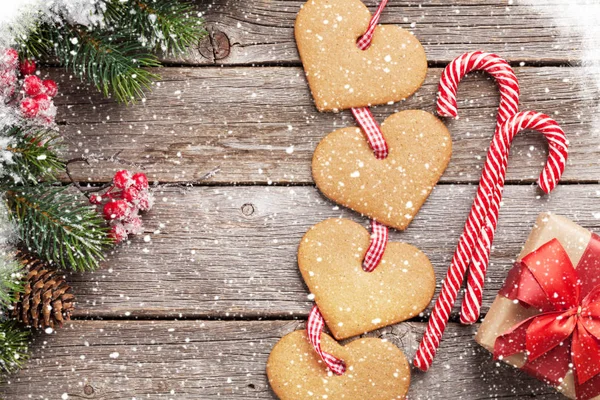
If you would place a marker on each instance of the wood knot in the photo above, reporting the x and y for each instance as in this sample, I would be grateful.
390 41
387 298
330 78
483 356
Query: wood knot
88 390
248 209
215 46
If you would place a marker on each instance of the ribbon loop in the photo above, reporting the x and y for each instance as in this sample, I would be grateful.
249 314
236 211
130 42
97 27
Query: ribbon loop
314 328
379 239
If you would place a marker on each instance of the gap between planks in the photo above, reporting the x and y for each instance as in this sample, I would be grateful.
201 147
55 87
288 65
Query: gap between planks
226 359
259 126
236 258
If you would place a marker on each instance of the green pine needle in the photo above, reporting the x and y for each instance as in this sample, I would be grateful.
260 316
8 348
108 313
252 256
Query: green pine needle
170 26
34 155
115 55
11 280
13 347
58 226
113 61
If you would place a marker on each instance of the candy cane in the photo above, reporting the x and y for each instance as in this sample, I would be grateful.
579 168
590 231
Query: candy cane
550 175
472 301
475 240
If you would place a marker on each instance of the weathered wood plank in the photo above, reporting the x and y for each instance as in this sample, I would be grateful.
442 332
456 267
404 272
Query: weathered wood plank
259 125
230 252
261 31
124 360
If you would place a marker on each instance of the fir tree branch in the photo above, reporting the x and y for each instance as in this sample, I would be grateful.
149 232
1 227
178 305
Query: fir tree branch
114 61
167 25
13 347
34 155
58 226
11 280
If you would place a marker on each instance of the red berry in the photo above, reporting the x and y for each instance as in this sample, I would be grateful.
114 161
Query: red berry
28 67
95 199
118 209
145 200
29 107
7 83
43 101
122 179
140 180
10 59
118 232
32 85
50 87
131 194
134 226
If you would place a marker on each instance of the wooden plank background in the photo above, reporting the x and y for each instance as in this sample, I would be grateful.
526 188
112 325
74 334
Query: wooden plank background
191 309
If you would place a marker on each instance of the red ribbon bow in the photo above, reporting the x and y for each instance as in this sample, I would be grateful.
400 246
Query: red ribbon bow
566 333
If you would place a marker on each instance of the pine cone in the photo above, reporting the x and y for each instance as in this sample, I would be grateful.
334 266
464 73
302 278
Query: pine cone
47 299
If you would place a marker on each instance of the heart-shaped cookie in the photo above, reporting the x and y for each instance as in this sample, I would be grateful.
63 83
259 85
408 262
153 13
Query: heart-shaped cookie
392 190
340 74
351 300
375 370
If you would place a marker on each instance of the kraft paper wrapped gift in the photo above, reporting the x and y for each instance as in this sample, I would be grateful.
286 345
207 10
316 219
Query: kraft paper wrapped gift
546 318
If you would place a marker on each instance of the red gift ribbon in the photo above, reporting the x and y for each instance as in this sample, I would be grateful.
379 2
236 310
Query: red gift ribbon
566 333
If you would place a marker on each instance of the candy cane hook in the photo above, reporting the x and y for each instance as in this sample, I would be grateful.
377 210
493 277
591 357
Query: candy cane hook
549 177
472 249
488 62
472 243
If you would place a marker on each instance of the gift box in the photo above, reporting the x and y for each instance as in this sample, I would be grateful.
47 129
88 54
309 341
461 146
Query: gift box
546 318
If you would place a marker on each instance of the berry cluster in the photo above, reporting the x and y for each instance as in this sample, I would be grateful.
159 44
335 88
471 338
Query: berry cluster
123 201
33 95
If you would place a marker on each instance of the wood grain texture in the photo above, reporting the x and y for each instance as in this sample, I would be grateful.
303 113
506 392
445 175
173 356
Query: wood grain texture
230 252
124 360
261 31
259 125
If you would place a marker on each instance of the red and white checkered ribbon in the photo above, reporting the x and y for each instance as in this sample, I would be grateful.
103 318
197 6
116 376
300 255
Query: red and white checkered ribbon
372 131
314 328
558 149
374 135
379 236
379 239
364 42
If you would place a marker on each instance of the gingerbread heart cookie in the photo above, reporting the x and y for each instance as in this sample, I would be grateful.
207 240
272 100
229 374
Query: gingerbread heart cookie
340 74
391 190
375 370
351 300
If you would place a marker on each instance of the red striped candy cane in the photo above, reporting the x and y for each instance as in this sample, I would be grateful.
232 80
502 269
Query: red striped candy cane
558 152
473 241
548 178
446 105
488 62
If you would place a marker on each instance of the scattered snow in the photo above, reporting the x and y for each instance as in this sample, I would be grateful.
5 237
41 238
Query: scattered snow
576 18
18 17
